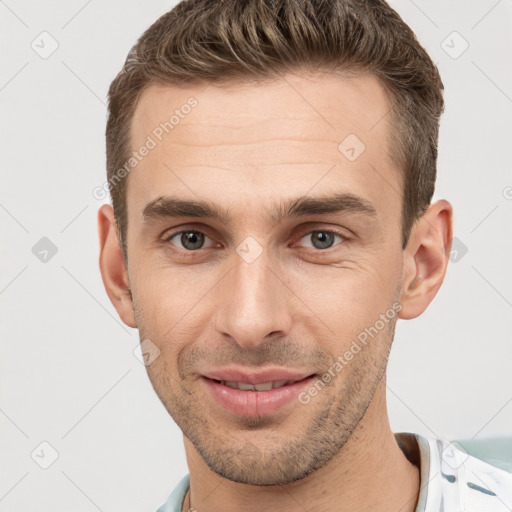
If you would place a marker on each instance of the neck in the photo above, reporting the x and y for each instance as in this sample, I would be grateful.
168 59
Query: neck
369 473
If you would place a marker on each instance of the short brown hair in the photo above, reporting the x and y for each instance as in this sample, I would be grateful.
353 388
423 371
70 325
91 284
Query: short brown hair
216 41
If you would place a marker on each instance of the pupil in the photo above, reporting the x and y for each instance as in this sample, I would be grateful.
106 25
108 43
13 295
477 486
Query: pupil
192 240
325 239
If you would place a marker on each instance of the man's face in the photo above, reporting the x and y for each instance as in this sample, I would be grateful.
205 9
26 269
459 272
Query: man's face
266 293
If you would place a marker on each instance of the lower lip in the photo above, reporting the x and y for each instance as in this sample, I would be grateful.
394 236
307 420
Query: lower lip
255 403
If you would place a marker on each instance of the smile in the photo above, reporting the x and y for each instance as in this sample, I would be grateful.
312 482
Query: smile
254 394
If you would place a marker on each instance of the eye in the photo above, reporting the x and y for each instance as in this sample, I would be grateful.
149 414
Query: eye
322 239
190 240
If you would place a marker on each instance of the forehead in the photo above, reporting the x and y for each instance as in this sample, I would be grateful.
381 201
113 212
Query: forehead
329 103
255 142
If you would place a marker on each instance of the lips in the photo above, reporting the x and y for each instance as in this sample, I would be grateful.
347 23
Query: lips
258 393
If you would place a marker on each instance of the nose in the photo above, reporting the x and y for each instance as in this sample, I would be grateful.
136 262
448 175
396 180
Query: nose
253 305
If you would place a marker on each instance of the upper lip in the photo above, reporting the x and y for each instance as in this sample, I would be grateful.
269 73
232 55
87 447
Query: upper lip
255 376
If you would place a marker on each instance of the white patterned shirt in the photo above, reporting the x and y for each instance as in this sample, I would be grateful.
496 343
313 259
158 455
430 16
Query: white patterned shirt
450 479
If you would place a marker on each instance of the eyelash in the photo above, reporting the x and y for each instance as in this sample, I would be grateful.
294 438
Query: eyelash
188 253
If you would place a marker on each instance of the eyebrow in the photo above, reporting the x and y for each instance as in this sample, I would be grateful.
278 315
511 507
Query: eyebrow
167 207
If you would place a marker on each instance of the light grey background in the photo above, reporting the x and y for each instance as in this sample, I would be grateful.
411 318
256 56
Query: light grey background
68 373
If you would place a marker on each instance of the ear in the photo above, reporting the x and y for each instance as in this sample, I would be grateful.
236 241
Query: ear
112 266
426 259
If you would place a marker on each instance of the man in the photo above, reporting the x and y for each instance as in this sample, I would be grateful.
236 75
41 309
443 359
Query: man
271 166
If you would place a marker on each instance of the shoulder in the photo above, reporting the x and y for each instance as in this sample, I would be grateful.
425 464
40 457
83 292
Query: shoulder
453 478
469 483
175 500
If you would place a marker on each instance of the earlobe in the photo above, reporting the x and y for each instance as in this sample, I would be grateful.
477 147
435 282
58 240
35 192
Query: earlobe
426 259
112 266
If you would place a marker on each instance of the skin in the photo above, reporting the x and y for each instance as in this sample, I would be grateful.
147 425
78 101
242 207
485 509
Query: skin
247 148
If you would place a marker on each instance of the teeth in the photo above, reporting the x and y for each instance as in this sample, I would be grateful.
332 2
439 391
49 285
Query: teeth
264 386
245 387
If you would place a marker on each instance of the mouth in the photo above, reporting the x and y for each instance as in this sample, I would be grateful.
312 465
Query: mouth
256 394
264 386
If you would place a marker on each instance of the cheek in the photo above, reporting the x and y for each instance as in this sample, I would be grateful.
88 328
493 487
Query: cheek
164 293
171 306
350 297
